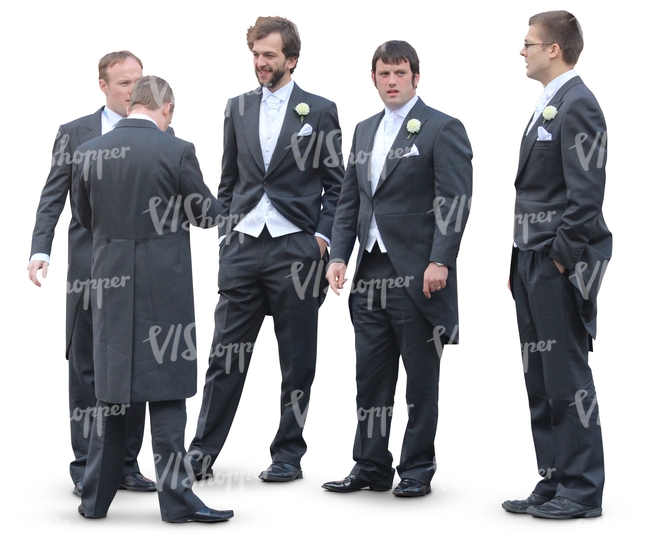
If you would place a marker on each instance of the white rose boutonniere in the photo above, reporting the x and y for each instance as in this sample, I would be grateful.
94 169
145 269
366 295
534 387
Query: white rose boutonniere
302 110
413 126
549 113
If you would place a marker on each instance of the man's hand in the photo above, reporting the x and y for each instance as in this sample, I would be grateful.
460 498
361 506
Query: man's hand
560 267
34 267
336 276
435 279
322 244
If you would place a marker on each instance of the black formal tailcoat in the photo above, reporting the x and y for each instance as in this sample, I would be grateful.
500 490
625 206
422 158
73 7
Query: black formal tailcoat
139 203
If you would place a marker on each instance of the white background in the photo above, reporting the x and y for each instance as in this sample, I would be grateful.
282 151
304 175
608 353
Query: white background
471 69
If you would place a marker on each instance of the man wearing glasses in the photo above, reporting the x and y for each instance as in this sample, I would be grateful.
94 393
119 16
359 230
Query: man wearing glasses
562 248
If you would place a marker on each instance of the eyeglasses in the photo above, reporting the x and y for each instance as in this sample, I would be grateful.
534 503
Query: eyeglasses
527 45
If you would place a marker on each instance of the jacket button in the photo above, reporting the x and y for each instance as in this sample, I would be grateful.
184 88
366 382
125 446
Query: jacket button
518 191
376 201
145 240
265 183
108 240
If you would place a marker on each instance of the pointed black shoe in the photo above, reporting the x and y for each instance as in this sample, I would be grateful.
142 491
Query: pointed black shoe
352 483
563 508
279 472
410 488
205 514
519 506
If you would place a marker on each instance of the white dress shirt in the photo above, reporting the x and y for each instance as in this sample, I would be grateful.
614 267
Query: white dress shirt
384 138
272 111
549 93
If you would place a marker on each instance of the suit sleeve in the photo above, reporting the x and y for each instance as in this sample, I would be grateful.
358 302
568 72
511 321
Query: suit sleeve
452 171
347 212
330 169
200 205
229 170
79 194
54 194
584 153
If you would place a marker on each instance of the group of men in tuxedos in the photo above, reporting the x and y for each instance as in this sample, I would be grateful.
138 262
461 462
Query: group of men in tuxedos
283 199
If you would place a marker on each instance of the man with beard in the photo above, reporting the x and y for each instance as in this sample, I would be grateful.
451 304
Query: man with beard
281 176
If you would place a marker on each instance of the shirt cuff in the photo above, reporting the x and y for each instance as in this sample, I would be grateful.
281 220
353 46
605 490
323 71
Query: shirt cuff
323 237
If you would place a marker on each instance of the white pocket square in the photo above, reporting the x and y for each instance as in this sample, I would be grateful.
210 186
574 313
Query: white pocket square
543 134
412 151
306 130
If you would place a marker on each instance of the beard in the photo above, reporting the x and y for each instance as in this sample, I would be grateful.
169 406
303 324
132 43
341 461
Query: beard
275 78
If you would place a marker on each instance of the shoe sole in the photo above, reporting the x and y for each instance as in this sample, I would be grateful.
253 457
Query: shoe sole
281 479
591 513
137 489
195 520
367 488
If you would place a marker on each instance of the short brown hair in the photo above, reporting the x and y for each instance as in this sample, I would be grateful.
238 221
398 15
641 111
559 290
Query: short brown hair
110 59
151 92
563 29
288 30
397 52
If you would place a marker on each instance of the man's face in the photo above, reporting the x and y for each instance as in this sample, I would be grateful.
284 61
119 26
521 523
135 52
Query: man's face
272 68
395 83
118 84
538 66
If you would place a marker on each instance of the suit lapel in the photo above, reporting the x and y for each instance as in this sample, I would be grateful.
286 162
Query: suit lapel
91 129
402 141
251 122
365 143
528 141
290 125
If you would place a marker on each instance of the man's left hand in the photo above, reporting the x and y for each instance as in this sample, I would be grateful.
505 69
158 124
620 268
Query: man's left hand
435 279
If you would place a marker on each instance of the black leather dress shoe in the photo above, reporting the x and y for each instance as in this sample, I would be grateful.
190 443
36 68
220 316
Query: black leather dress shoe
279 472
78 488
205 514
137 482
563 508
519 506
410 488
352 483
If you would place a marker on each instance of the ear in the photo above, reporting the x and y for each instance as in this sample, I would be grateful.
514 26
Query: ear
555 52
416 80
103 85
372 77
167 110
291 62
